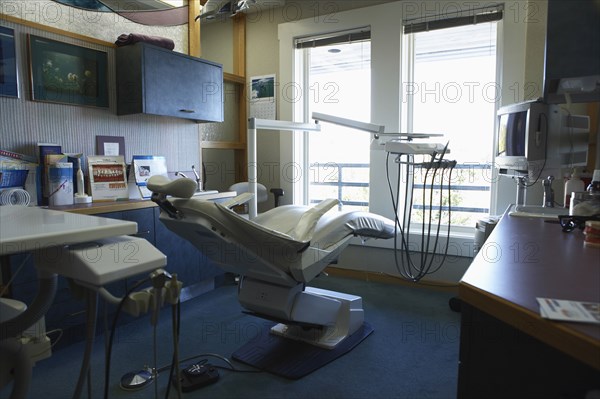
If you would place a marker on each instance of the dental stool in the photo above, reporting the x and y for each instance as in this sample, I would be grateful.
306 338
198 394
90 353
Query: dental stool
277 254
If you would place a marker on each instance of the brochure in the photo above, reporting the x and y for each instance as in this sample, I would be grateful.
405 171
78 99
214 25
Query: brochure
45 151
108 179
576 311
60 183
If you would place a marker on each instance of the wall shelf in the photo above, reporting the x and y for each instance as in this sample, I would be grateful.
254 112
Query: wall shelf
230 77
238 77
224 145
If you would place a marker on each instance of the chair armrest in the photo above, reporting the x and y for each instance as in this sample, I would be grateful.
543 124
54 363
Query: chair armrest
237 200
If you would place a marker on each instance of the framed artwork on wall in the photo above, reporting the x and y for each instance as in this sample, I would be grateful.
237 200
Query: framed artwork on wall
68 74
8 63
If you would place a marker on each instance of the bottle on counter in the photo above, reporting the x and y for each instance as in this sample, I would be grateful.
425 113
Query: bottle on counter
574 184
590 204
594 187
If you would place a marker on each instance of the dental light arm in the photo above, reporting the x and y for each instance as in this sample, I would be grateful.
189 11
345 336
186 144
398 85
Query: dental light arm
253 125
336 120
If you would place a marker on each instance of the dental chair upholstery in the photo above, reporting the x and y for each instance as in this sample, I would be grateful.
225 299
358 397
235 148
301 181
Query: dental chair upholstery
277 254
261 192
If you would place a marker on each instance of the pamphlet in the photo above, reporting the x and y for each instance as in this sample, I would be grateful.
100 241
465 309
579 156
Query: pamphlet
45 150
575 311
108 179
60 183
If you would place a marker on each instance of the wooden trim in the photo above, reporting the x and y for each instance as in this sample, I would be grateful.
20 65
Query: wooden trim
239 69
555 334
241 164
224 145
194 41
230 77
239 44
389 279
51 29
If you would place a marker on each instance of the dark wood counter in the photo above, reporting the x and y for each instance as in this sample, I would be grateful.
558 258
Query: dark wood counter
525 258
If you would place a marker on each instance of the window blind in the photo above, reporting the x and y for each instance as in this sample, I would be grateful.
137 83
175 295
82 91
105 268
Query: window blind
353 36
454 19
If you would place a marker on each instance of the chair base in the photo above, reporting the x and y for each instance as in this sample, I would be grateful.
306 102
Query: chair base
349 319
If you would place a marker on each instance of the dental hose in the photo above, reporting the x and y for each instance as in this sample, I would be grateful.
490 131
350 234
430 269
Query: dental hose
85 371
112 335
409 269
176 320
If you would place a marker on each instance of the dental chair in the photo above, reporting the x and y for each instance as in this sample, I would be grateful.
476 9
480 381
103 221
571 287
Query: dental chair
276 254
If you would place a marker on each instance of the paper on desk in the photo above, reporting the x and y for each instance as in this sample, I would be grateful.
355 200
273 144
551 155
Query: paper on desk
556 309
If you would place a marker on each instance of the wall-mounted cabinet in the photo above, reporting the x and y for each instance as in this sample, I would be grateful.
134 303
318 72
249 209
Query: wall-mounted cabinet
157 81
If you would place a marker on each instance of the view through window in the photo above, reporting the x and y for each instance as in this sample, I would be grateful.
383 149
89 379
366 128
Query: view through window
454 92
338 82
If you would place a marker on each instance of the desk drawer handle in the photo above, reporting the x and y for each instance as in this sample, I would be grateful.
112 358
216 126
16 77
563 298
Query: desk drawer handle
187 111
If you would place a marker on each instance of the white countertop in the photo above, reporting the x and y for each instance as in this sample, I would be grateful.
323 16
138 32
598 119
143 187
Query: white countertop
23 229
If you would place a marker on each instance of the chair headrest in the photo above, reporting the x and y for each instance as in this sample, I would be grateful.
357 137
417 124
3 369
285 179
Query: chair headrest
180 188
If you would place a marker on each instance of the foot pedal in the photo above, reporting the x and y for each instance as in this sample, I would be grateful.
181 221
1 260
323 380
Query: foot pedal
197 376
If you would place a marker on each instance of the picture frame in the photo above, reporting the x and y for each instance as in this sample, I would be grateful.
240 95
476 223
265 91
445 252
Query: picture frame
66 73
110 145
8 63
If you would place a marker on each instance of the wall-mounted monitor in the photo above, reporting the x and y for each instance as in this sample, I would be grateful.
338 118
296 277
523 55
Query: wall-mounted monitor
522 138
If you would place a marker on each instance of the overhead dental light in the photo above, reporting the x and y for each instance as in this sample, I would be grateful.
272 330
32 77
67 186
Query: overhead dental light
214 8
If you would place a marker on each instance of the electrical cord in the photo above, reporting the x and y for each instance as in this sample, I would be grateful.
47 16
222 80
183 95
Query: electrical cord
545 118
174 367
230 365
14 275
154 346
425 283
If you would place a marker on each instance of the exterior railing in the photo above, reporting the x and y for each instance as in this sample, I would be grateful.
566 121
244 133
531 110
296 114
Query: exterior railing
467 179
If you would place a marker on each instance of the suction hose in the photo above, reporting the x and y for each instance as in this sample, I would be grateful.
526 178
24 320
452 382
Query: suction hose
38 308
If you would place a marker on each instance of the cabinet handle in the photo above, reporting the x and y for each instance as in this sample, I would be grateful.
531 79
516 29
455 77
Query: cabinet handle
187 111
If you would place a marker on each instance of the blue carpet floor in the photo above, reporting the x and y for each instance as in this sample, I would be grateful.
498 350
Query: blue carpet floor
413 352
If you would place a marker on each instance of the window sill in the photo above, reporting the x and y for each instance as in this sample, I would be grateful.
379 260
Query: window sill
460 244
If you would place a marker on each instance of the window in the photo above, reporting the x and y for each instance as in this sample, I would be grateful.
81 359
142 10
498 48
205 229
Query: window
336 80
453 91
